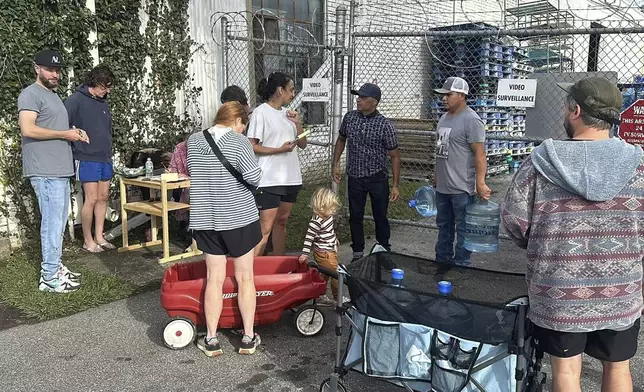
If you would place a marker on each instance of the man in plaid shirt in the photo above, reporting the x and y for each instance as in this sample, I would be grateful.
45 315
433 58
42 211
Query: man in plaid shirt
371 138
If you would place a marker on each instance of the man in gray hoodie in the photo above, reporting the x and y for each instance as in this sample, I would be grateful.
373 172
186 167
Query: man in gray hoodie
87 109
577 206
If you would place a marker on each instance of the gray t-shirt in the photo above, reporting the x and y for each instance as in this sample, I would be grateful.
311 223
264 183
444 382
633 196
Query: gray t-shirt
455 169
45 158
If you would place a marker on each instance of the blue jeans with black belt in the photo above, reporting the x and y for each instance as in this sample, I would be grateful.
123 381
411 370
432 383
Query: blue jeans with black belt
451 223
53 199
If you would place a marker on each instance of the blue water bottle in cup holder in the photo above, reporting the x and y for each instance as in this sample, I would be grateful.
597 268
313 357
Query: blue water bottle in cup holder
445 287
397 277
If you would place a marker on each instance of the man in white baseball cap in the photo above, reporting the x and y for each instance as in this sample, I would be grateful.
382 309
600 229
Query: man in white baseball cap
460 169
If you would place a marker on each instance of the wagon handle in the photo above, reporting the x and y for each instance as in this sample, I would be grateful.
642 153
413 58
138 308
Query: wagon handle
325 271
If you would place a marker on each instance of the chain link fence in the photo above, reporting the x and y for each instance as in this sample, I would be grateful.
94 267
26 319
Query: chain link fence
295 52
408 61
409 65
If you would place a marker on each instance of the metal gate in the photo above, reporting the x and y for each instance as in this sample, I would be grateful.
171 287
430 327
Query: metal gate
251 54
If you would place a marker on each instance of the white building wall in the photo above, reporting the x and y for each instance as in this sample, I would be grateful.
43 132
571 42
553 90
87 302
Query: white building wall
205 20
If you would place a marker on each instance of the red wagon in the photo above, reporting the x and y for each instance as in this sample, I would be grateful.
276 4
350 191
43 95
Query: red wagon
282 283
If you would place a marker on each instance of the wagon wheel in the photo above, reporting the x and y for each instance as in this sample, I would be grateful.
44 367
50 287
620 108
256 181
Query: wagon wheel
178 333
326 386
309 321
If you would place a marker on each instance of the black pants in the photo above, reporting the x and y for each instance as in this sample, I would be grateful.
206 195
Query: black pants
377 187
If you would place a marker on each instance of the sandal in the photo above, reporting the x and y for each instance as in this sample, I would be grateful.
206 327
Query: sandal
107 246
94 249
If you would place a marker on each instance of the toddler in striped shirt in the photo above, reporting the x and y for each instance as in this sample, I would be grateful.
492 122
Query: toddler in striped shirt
321 238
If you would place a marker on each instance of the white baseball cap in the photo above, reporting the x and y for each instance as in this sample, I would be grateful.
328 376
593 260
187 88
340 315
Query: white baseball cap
454 84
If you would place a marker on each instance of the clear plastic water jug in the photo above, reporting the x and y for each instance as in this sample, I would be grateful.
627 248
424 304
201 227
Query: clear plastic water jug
482 220
424 201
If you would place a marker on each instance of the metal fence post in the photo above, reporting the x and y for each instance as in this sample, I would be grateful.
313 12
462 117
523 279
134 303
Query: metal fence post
350 50
350 80
338 77
225 31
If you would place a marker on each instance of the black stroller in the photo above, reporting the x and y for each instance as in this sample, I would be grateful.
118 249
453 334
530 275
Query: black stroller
475 339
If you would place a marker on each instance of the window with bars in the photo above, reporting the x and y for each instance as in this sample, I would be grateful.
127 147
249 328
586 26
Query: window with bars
290 21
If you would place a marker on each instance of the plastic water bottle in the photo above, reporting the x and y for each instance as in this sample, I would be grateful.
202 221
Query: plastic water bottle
482 221
397 277
445 287
514 166
424 201
149 168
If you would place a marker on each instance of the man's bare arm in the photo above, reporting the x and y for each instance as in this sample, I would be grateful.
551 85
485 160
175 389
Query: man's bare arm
28 128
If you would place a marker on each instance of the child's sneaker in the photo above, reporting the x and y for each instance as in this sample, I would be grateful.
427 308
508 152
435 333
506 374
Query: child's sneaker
248 345
58 284
325 301
210 347
73 276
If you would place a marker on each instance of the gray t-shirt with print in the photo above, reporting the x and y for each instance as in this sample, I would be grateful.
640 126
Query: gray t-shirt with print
455 169
45 158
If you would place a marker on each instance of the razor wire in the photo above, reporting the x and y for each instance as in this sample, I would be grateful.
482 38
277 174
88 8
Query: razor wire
253 53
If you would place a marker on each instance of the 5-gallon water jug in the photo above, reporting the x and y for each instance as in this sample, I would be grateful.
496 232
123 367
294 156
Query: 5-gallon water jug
424 201
482 220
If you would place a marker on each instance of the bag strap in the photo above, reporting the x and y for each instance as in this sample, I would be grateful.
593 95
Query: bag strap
235 173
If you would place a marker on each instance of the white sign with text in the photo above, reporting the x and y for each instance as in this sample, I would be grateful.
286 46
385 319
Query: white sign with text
316 90
516 92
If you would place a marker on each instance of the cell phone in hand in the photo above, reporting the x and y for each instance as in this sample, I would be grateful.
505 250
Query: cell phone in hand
301 135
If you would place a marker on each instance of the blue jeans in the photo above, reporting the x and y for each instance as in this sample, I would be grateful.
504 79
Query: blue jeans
53 198
451 223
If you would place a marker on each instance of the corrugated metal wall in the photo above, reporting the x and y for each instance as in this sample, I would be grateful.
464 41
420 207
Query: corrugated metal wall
206 62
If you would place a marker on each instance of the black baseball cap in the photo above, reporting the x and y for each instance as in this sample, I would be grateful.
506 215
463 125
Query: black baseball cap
368 90
597 97
49 58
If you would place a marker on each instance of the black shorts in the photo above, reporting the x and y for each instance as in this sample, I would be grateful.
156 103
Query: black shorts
236 242
270 197
605 345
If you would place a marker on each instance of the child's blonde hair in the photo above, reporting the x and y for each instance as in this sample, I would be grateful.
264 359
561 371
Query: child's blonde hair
325 202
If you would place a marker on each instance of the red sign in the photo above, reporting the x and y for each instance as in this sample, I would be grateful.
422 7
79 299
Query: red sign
631 127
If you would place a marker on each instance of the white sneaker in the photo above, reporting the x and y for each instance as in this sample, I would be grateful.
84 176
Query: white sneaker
59 284
324 301
73 276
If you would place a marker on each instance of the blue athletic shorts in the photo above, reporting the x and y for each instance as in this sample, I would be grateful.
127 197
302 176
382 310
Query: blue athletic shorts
87 171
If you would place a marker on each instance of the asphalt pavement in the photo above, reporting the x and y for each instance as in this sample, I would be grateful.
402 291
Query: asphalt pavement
118 347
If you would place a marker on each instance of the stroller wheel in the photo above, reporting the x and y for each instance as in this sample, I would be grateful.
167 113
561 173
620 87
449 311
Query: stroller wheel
309 321
178 333
326 386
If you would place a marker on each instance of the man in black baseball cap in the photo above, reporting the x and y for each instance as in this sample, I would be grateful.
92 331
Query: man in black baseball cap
577 206
48 163
368 90
48 64
371 139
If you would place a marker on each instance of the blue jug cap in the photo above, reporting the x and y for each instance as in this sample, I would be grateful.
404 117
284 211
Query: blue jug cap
444 287
397 273
412 203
